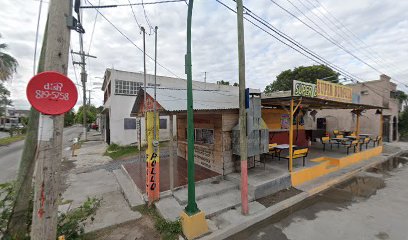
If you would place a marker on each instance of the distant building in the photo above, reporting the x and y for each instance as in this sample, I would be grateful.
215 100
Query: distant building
18 113
120 91
381 93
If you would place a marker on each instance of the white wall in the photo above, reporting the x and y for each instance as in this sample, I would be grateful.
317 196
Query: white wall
120 106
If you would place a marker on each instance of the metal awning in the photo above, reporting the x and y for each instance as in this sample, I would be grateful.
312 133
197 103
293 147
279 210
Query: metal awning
314 103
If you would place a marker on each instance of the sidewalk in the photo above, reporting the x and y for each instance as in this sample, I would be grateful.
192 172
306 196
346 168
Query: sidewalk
91 176
220 198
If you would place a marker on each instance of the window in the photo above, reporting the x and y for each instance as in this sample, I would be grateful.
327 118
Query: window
163 124
204 135
127 87
129 123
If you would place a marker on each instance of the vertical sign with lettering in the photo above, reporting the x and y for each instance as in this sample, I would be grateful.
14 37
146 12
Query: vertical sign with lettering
152 159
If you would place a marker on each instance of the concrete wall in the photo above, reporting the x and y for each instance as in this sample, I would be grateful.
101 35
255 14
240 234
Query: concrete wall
120 106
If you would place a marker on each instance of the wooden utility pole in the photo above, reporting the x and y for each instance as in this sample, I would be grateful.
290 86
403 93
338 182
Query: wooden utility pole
46 188
243 138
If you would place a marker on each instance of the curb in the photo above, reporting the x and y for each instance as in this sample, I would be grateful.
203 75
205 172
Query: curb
281 206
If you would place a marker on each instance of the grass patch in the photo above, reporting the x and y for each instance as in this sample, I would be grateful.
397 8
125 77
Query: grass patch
169 230
116 151
9 140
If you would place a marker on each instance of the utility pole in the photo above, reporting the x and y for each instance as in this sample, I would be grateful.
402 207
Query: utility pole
243 140
46 187
89 98
144 77
83 80
192 219
205 80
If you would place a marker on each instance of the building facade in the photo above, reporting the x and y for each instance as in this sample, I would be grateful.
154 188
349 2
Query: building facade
379 92
120 92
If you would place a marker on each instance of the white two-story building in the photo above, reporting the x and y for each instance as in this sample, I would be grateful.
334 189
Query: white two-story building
120 91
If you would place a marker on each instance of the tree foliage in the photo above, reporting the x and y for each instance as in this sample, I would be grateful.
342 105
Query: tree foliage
8 64
402 98
222 82
308 74
4 99
69 118
91 113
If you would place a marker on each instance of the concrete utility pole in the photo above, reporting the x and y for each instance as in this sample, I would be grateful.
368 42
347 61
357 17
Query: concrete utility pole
243 140
83 80
46 188
144 77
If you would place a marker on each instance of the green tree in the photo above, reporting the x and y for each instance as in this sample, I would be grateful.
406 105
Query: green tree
4 99
308 74
222 82
403 124
402 98
91 114
69 118
8 64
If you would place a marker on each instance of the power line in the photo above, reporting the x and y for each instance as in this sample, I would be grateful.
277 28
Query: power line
147 19
329 26
265 23
131 4
328 39
351 34
134 15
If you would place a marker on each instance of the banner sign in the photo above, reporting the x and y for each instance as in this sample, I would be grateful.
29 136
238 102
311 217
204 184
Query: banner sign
334 91
304 89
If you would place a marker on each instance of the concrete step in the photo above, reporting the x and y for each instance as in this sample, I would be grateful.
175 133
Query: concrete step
205 190
220 203
128 188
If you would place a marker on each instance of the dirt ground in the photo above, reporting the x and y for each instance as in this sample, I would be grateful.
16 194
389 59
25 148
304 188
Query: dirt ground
141 229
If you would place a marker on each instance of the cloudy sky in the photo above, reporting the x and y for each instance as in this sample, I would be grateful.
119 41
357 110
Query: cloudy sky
375 32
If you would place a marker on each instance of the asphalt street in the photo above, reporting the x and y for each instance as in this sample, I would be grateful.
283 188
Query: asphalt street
380 216
10 155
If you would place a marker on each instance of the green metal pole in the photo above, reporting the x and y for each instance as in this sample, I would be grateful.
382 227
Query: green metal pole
191 207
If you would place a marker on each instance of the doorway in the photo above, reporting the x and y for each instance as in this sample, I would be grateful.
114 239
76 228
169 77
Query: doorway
386 128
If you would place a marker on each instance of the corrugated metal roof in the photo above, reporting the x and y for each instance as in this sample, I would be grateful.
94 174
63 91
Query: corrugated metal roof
175 100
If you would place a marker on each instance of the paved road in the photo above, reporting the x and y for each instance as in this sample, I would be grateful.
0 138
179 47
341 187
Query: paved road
10 155
380 216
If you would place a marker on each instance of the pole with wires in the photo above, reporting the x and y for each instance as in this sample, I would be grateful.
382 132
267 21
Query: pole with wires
243 140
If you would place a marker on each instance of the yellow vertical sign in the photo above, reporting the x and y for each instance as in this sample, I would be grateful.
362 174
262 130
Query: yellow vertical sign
152 159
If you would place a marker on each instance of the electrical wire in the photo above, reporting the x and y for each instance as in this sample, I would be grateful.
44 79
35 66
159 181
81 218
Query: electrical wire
134 15
131 4
249 12
328 39
36 38
351 34
147 19
324 36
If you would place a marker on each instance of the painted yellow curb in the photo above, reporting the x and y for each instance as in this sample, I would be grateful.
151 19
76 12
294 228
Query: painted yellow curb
194 226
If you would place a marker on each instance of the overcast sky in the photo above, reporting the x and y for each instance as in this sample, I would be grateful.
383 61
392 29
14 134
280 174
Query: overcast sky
381 25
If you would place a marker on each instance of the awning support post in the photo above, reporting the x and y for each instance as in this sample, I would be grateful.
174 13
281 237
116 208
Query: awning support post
291 136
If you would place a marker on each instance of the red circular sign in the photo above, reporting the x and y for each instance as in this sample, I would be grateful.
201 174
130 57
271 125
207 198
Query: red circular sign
52 93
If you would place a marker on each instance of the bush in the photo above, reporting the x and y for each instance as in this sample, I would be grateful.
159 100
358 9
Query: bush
6 200
72 224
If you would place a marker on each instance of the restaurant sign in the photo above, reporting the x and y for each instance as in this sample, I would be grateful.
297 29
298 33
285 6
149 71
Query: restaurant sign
303 89
333 91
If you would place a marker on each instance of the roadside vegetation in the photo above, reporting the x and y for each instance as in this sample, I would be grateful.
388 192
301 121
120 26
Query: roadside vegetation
169 230
71 224
116 151
9 140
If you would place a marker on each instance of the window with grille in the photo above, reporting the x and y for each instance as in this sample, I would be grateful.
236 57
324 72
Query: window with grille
127 87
